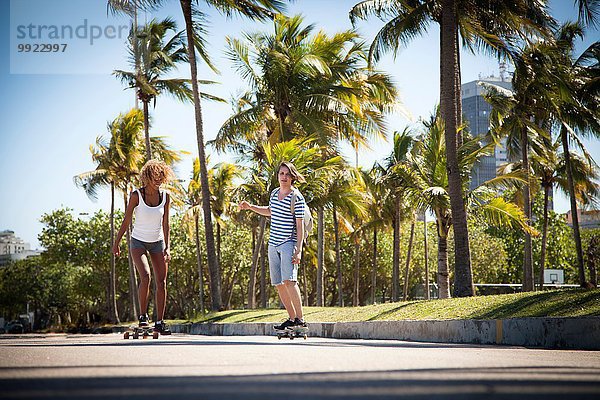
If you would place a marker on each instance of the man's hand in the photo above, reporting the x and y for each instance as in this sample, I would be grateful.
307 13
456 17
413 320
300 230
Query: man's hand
297 257
244 205
116 249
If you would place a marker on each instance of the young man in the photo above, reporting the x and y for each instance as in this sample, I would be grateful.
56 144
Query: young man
285 241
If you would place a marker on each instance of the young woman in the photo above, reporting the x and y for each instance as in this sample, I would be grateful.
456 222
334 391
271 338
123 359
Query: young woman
150 206
285 241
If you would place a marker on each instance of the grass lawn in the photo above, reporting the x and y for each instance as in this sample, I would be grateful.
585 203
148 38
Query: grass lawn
551 303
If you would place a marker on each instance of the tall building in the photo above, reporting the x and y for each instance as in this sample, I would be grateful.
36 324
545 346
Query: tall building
477 113
13 248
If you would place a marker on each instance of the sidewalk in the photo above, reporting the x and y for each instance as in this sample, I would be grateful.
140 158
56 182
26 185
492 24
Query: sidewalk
580 333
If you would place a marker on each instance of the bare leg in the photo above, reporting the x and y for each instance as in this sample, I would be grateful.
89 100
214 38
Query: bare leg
285 299
141 264
160 274
295 298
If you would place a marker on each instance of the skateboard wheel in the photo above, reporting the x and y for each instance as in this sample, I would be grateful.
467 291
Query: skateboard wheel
155 335
136 335
126 335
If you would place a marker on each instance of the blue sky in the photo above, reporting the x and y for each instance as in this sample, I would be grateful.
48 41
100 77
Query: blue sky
55 105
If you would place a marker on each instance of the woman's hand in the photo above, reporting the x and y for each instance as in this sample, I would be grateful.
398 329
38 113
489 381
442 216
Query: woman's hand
167 254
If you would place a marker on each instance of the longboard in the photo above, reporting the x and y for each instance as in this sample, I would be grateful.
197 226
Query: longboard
292 332
143 331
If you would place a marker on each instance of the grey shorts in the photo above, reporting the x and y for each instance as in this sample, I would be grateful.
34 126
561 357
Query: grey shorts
153 247
280 263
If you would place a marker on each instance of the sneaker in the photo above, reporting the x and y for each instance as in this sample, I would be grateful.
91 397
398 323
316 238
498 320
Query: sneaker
286 324
143 320
300 323
162 328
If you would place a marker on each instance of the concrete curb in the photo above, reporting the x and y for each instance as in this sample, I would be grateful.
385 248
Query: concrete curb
581 333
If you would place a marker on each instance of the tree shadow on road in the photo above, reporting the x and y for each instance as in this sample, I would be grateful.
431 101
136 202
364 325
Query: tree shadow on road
522 383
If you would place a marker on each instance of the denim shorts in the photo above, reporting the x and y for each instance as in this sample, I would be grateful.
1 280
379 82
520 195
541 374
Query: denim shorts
153 247
280 263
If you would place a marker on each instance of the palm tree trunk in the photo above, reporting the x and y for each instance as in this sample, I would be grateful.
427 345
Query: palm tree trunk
593 252
426 255
114 312
374 271
408 256
218 242
230 292
338 260
254 267
320 256
263 276
527 250
199 260
213 263
356 294
396 251
544 237
147 131
463 275
573 199
459 138
133 285
443 275
135 48
304 283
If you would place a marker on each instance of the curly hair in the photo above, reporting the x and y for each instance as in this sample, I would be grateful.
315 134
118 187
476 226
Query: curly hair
156 169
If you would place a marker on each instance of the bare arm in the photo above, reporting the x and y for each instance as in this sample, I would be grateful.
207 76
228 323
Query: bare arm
300 237
133 203
262 210
166 230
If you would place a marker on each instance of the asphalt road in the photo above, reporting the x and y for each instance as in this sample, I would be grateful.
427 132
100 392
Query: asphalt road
260 367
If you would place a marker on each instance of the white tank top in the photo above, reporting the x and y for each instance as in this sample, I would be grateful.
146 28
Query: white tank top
148 220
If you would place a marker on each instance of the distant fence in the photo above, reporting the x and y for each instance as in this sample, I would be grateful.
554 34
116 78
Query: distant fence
505 288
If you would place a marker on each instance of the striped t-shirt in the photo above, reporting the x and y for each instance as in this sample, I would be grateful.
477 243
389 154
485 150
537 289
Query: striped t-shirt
283 224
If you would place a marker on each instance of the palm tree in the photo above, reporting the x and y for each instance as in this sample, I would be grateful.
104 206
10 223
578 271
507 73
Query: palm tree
403 143
424 180
520 115
193 213
348 198
126 158
550 168
376 220
194 18
550 88
490 26
305 83
90 182
580 116
221 179
153 59
222 183
255 191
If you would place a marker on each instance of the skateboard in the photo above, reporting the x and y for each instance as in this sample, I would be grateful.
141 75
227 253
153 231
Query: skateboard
292 332
141 331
